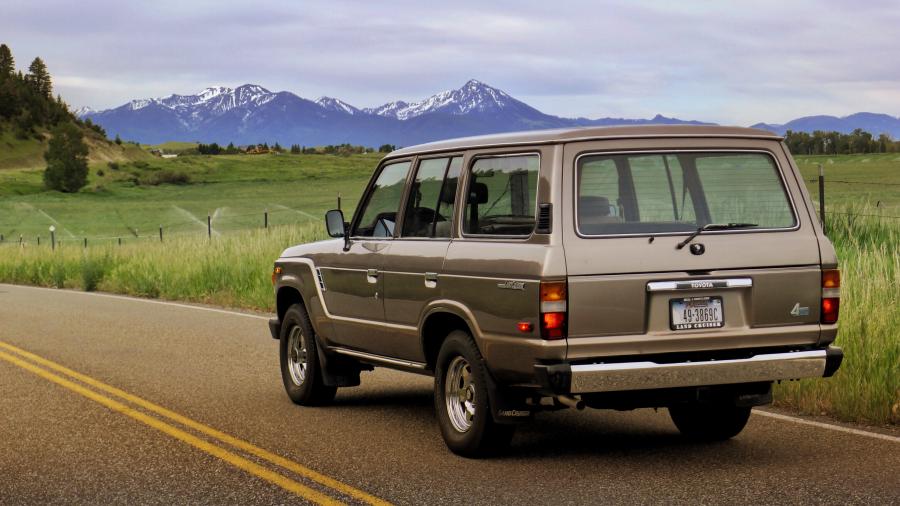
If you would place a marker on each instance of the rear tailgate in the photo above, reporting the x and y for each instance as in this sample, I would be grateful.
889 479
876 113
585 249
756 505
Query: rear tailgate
632 291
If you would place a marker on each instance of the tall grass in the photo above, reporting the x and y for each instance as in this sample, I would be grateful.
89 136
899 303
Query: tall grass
233 270
230 270
867 386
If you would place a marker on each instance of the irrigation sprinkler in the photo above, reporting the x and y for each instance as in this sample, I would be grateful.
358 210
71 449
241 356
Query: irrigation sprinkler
52 237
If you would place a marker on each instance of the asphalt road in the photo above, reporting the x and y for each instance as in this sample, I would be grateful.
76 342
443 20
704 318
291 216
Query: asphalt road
113 400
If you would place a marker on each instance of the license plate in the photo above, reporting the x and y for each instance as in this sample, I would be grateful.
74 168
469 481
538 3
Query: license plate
696 313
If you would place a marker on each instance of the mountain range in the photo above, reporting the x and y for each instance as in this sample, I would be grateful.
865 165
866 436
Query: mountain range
868 121
251 114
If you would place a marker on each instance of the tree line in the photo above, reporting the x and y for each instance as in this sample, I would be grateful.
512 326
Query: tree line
27 107
836 143
295 149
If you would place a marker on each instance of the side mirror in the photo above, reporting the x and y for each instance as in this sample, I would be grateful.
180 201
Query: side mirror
334 222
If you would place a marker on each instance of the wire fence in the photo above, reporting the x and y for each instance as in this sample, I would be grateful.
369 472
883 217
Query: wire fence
212 227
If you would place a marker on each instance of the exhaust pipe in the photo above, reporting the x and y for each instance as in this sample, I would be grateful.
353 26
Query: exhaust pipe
567 400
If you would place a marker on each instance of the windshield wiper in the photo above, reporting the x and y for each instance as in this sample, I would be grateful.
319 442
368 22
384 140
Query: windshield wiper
713 226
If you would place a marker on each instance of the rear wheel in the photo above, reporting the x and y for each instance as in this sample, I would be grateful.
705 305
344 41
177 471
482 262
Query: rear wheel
300 367
709 422
461 400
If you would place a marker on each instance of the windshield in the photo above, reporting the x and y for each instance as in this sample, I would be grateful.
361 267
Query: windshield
679 192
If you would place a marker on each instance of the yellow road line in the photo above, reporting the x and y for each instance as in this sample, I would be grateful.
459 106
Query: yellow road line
216 451
207 430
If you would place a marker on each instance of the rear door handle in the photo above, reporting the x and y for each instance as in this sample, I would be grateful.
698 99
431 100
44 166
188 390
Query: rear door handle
372 275
431 279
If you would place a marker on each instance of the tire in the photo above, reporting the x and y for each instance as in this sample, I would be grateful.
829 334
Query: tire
464 412
709 422
300 368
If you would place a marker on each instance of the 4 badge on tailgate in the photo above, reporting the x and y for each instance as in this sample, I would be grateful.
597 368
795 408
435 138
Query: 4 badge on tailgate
696 313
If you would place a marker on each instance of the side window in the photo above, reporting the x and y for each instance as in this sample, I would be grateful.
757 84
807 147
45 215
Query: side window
429 209
501 196
446 206
379 213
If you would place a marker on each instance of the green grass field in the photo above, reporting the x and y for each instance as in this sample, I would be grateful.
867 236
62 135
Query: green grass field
234 190
233 269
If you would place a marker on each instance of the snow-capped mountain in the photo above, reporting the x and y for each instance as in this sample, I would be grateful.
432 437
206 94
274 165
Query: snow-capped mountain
474 96
388 110
335 104
251 114
211 101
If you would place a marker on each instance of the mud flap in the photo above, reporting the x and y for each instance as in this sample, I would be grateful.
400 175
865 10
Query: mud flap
508 405
338 371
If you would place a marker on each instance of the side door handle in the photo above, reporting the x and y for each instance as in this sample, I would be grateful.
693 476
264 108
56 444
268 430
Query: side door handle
372 276
431 279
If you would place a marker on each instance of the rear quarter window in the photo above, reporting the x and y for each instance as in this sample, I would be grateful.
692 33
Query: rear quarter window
501 196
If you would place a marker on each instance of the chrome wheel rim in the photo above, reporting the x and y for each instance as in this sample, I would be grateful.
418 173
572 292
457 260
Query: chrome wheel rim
297 356
459 394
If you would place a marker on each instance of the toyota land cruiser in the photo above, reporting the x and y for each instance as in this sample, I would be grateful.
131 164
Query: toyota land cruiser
657 266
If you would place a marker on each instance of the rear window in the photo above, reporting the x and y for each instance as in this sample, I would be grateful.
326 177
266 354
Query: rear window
650 193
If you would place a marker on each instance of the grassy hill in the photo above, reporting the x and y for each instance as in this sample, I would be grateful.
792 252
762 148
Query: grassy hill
28 154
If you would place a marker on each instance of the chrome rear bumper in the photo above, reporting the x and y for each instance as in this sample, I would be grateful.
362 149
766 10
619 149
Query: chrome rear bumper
613 377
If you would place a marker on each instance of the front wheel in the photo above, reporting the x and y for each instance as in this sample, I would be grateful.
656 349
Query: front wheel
300 366
709 422
461 400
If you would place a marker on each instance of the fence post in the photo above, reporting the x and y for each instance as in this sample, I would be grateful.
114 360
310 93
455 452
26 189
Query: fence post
160 233
120 241
85 243
208 225
38 240
822 196
20 239
1 237
339 201
266 218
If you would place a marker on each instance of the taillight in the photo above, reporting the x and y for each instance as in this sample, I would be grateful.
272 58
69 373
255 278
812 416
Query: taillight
553 310
831 295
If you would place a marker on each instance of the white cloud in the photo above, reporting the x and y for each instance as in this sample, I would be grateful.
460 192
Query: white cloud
730 62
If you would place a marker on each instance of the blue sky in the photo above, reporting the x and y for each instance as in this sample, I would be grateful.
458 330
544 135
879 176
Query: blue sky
728 62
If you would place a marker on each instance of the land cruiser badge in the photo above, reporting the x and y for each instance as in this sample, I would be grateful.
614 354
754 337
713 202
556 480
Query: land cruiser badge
511 285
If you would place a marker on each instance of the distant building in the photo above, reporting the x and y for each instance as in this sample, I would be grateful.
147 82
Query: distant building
259 149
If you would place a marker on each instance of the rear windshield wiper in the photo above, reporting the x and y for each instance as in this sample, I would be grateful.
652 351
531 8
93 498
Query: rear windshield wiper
713 226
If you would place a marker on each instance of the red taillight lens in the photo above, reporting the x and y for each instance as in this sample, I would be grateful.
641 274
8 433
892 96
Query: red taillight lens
830 309
553 325
553 310
831 295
